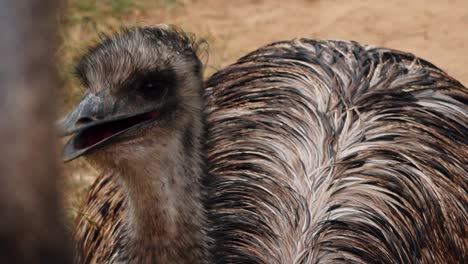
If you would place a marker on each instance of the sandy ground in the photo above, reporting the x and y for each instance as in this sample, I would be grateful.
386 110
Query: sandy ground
435 30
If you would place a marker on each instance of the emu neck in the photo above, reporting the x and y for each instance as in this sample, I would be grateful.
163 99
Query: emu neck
166 215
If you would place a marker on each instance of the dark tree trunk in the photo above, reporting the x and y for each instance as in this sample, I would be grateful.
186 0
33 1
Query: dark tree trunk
31 218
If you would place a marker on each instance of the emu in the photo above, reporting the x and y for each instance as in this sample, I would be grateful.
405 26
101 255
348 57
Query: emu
303 151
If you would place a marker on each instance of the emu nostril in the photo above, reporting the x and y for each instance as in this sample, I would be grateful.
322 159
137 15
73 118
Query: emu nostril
85 120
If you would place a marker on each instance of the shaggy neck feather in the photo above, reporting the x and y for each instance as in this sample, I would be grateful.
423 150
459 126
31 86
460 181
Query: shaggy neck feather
167 221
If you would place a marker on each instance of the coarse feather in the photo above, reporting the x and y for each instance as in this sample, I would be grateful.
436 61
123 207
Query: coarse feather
322 152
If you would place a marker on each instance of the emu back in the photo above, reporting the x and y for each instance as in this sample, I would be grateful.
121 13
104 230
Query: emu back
334 152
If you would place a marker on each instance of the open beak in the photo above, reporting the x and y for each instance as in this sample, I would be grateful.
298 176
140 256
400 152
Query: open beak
92 127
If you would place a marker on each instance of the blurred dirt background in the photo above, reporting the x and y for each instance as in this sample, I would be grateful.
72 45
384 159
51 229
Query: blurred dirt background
435 30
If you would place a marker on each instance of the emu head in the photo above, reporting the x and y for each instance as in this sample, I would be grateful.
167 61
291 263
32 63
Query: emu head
143 90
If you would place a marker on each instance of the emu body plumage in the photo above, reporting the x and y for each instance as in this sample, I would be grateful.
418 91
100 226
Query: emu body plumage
315 152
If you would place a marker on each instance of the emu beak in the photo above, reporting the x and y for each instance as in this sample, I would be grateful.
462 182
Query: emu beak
92 126
85 115
88 110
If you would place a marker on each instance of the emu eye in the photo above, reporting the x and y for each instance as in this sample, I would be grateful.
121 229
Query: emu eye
155 85
152 90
